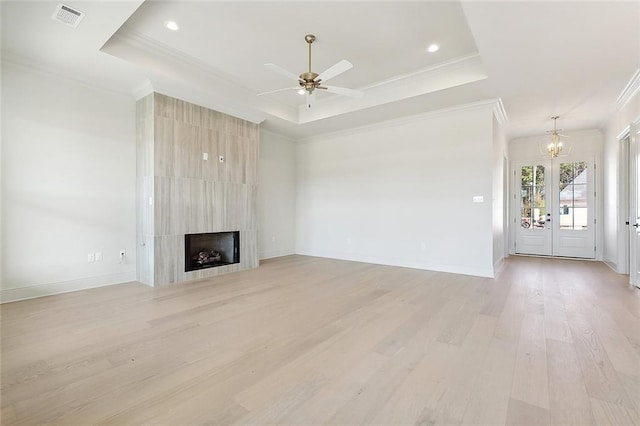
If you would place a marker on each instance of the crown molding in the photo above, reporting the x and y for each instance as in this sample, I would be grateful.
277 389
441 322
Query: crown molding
144 89
624 133
447 65
629 91
280 135
486 104
223 89
500 113
451 74
141 41
24 63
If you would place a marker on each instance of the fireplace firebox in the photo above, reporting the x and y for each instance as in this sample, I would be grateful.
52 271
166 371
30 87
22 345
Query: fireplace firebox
211 250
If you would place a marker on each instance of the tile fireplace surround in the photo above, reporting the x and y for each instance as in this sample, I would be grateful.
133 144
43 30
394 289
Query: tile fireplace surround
196 173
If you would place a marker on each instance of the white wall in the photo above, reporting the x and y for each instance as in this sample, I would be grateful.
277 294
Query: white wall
68 184
401 193
615 253
580 143
276 196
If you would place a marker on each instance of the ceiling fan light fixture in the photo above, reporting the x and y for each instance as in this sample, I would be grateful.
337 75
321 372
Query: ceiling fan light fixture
301 92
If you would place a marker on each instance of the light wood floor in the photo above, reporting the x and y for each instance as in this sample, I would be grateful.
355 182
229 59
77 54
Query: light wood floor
304 340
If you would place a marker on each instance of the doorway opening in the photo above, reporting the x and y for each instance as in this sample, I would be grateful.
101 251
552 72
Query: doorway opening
555 208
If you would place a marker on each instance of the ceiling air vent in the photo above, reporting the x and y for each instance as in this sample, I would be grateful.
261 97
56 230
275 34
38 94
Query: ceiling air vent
67 15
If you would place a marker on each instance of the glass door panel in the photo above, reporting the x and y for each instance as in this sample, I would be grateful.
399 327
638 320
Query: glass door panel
532 197
574 186
572 235
532 234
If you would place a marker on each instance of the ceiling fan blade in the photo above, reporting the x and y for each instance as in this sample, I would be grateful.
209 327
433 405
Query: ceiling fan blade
344 91
278 90
335 70
310 99
282 71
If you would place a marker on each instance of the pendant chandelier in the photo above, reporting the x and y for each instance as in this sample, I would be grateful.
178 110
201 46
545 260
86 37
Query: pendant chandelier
555 147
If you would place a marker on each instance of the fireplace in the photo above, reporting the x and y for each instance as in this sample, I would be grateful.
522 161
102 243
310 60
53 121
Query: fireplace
211 250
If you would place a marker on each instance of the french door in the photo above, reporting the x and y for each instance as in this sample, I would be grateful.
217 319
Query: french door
554 203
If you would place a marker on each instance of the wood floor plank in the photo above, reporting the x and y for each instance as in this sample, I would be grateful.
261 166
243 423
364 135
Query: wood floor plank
491 391
601 380
304 340
334 396
568 400
608 413
530 383
523 414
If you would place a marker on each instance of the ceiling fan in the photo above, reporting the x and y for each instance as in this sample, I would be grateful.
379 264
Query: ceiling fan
309 81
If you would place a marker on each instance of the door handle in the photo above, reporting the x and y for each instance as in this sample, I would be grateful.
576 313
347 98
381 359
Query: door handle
635 225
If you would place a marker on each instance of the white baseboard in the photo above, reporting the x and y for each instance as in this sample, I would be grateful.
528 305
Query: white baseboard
453 269
611 265
31 292
275 253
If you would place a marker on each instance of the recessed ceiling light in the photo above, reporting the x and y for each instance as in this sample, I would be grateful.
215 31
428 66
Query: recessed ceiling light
433 48
172 25
301 92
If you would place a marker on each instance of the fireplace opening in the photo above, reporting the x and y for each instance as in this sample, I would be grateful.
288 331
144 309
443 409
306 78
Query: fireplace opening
211 250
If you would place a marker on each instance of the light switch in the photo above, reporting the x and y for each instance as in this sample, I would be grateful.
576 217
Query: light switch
478 199
222 158
205 156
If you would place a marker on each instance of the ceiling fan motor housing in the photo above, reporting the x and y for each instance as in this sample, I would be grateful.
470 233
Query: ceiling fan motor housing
307 81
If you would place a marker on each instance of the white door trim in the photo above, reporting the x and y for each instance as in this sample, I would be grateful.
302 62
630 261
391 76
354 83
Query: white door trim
594 159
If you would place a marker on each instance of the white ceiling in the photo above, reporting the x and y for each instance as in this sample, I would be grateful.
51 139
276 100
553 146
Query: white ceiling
382 42
541 58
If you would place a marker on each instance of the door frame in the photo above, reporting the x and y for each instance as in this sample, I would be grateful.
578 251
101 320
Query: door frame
624 207
598 202
628 196
633 201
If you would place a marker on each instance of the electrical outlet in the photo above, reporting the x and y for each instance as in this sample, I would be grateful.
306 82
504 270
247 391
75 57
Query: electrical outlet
91 257
98 256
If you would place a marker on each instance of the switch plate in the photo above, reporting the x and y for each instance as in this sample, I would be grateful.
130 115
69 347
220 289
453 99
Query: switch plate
478 199
98 256
91 257
205 156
